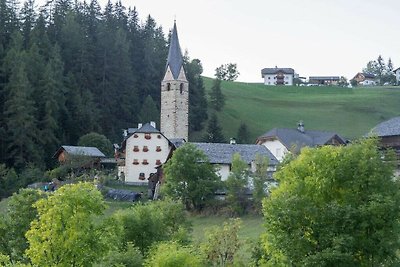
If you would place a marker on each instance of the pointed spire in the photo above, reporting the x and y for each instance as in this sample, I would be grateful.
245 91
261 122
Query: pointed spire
175 59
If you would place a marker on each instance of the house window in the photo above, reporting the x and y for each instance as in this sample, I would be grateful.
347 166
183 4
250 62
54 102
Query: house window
269 78
135 162
158 148
181 88
158 162
168 86
141 176
145 162
145 149
147 136
136 149
159 136
135 136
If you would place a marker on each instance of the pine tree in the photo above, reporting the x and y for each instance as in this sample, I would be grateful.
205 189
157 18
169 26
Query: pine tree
21 126
28 17
53 104
197 98
243 134
217 99
149 111
214 131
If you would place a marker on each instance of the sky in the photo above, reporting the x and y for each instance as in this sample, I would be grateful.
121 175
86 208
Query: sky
314 37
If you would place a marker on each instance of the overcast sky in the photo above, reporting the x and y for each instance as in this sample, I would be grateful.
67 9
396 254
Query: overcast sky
314 37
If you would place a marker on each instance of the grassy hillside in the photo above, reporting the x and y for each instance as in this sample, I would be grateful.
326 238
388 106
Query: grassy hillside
350 112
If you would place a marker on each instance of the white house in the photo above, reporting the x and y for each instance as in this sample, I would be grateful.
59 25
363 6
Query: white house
397 73
280 141
142 151
221 155
278 76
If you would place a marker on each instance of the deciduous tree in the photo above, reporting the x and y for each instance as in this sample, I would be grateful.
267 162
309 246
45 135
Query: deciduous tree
190 177
335 206
65 233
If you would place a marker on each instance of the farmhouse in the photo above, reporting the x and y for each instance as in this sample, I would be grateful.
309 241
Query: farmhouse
388 133
87 156
366 79
221 155
278 76
324 80
281 141
143 149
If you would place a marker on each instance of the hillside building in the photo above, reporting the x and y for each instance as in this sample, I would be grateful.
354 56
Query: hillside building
278 76
366 79
324 80
397 74
281 141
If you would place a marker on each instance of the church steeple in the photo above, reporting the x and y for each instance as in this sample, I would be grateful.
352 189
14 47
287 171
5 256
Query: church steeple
175 93
175 59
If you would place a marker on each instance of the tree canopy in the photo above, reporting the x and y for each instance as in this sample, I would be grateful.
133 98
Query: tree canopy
335 206
190 177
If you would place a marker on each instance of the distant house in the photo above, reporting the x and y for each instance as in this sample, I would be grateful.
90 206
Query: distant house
143 149
278 76
88 156
324 80
366 79
389 134
221 156
397 73
282 140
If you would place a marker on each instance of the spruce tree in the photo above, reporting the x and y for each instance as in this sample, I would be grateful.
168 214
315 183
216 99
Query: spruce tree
197 98
214 131
149 111
243 134
217 99
21 128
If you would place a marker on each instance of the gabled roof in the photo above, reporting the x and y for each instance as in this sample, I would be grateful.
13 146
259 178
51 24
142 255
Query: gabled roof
175 59
146 128
276 70
294 137
387 128
218 153
80 151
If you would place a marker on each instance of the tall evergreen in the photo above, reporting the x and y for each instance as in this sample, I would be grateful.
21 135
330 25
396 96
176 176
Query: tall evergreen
214 131
21 128
149 111
197 99
217 99
53 105
243 136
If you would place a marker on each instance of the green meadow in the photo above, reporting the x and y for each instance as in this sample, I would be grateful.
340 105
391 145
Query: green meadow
351 112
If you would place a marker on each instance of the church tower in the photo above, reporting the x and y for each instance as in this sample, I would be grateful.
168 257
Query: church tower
175 94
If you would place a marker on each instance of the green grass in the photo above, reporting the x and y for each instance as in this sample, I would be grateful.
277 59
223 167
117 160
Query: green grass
349 112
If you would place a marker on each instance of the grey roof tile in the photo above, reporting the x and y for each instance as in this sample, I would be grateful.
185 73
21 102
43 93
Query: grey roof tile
293 137
83 151
387 128
147 128
276 70
175 59
218 153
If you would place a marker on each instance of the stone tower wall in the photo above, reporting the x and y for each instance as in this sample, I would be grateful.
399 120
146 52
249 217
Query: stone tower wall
175 106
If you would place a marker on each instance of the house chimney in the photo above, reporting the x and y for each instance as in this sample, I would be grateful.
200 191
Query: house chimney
300 126
125 133
232 141
153 124
139 125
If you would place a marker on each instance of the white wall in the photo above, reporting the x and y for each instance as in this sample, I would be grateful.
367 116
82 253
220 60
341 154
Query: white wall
277 149
270 79
132 171
398 75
